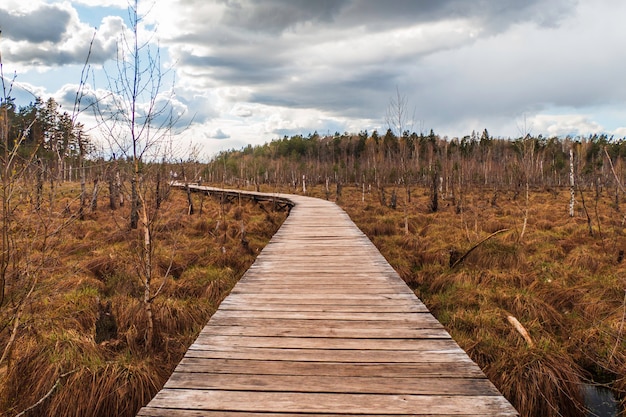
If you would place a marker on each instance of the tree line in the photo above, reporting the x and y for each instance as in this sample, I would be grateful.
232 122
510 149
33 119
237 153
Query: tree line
43 133
448 165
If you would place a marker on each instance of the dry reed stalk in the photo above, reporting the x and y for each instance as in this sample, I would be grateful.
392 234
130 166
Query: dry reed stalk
521 330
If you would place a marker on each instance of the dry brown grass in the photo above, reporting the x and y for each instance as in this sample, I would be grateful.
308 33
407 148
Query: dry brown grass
94 262
563 284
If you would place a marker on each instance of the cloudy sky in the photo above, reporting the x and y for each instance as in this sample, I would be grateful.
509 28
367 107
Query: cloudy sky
249 71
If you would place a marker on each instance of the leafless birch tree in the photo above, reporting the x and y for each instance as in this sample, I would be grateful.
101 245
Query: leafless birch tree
138 123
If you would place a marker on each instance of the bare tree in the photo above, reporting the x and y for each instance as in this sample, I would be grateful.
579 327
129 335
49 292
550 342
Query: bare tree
400 121
139 122
527 156
398 117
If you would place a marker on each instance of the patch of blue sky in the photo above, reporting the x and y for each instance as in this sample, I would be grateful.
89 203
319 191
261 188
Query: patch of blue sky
93 15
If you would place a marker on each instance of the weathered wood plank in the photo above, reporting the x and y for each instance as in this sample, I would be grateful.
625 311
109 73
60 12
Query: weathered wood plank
427 321
330 355
333 384
391 370
324 298
327 343
345 332
292 402
168 412
346 308
327 315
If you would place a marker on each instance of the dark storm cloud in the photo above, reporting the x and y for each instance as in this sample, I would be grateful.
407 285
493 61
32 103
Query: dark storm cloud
237 68
53 55
48 23
353 96
256 42
494 12
278 15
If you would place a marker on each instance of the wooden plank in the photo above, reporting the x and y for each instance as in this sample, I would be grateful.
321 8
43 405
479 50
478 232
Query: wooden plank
233 305
324 298
293 402
168 412
319 289
330 355
333 384
410 317
391 370
164 412
345 332
426 321
327 343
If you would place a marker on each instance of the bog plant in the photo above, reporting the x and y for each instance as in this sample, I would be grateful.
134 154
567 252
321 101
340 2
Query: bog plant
564 287
80 347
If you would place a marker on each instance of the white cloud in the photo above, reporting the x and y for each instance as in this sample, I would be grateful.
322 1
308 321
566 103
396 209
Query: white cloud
564 125
620 132
50 35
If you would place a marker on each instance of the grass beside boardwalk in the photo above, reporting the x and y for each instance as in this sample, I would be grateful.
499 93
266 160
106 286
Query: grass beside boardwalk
565 286
563 281
80 345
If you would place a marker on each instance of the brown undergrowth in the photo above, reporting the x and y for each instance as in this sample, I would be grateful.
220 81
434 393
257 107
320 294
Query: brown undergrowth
564 285
80 345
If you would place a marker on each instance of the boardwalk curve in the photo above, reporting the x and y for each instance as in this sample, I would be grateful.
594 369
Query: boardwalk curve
322 325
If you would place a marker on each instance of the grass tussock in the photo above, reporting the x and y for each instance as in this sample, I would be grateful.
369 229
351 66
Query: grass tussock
547 382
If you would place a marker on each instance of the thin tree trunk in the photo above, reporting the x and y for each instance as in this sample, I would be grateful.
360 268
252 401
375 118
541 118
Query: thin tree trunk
190 209
94 195
572 187
158 196
147 265
134 202
39 192
83 188
521 235
582 200
112 192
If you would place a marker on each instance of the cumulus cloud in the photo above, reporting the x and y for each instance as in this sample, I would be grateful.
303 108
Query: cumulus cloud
46 23
565 125
48 35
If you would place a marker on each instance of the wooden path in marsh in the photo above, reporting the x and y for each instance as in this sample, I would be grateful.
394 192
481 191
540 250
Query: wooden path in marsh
322 325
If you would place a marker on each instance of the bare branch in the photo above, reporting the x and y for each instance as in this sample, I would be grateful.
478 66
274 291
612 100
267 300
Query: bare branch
466 254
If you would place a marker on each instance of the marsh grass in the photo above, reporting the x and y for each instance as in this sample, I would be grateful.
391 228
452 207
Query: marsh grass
563 284
94 263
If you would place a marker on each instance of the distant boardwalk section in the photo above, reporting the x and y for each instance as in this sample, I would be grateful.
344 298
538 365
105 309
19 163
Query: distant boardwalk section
322 325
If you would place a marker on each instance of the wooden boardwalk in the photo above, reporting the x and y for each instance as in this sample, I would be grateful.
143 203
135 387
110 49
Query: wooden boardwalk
322 325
